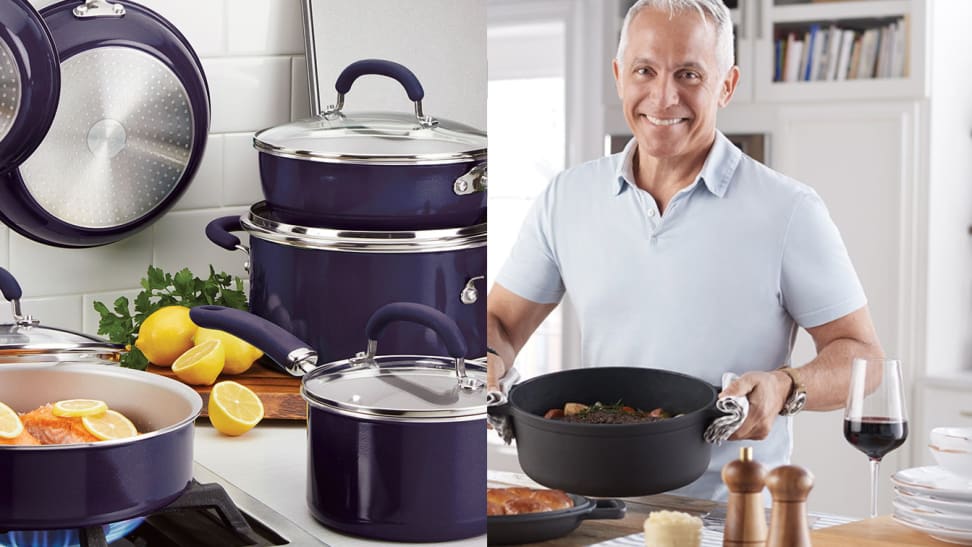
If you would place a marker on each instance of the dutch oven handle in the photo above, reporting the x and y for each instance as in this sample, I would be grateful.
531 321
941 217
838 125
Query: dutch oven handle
285 349
606 509
443 325
381 67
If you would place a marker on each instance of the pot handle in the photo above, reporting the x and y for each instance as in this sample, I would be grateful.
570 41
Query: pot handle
729 413
606 509
219 232
381 67
442 324
9 287
11 290
285 349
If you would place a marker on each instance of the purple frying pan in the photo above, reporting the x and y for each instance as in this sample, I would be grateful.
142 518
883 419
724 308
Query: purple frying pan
30 82
129 131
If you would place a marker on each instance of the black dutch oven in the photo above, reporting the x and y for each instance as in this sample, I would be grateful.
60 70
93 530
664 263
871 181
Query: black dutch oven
608 460
536 527
396 443
375 170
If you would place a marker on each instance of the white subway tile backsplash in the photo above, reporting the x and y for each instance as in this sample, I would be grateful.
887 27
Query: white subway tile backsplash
241 179
264 27
4 246
180 242
300 94
63 312
248 93
52 271
202 22
206 188
90 318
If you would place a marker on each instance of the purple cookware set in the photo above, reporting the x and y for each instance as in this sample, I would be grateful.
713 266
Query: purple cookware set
374 225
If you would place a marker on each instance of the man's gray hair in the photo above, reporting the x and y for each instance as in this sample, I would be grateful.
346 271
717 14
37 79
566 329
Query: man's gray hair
714 11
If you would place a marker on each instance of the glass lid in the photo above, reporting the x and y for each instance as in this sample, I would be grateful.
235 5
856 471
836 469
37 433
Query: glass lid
399 387
23 339
388 138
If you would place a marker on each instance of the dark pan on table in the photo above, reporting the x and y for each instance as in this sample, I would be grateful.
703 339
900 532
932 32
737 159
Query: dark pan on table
534 527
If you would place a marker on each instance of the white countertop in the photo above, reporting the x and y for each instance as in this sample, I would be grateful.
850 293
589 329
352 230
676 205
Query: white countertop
270 464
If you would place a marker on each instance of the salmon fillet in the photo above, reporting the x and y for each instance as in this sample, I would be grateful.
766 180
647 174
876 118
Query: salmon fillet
25 438
50 429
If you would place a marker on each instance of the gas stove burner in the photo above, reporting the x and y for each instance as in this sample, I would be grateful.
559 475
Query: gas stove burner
96 535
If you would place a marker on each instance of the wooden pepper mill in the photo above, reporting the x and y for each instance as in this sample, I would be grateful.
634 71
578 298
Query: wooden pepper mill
790 485
745 516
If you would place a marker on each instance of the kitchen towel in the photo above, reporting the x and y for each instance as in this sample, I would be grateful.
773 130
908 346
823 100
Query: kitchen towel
501 424
735 409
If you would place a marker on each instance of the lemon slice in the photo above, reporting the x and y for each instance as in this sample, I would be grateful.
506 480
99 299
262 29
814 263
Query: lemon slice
233 408
109 425
201 364
240 355
73 408
10 425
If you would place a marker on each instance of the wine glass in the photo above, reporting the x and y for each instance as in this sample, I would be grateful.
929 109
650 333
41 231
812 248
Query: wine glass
874 420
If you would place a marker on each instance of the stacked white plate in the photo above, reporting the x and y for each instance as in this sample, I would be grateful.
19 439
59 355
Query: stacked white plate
934 501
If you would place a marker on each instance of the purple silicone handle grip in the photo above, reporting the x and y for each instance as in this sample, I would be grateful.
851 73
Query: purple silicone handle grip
273 340
442 324
8 286
404 76
218 231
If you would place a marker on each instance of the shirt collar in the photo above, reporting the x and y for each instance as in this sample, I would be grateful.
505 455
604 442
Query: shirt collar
716 172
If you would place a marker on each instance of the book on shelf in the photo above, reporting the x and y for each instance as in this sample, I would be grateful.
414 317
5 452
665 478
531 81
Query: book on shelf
832 53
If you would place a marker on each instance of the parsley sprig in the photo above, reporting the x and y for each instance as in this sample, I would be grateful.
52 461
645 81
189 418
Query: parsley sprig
160 289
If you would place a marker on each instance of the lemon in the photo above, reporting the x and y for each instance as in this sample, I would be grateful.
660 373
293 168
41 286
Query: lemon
166 334
240 355
201 364
109 425
73 408
233 408
10 425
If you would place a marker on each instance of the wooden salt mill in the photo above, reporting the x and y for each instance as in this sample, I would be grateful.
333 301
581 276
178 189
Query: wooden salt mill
745 516
790 486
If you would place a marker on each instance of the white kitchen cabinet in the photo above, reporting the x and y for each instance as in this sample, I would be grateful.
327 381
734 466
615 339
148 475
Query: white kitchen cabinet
940 402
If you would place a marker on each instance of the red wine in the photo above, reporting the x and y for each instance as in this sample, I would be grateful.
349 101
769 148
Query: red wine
875 436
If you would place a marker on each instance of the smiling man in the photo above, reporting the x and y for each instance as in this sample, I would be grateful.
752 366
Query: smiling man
683 253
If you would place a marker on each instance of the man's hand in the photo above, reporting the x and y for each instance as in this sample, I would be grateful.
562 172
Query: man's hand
766 391
495 369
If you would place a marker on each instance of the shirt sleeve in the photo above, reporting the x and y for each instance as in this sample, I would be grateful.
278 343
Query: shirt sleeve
818 281
532 271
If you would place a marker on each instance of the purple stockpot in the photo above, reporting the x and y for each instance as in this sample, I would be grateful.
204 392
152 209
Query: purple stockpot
130 128
396 443
375 170
30 82
81 485
322 285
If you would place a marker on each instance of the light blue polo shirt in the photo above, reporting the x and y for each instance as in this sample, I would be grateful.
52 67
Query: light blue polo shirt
719 283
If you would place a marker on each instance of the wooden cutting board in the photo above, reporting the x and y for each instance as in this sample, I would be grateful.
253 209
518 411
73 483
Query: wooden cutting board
280 392
875 532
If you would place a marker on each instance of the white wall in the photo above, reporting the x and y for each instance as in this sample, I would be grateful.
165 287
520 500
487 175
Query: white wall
252 53
442 41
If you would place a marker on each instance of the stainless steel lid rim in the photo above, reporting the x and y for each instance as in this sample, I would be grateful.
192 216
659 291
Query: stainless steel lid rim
374 389
356 159
359 241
